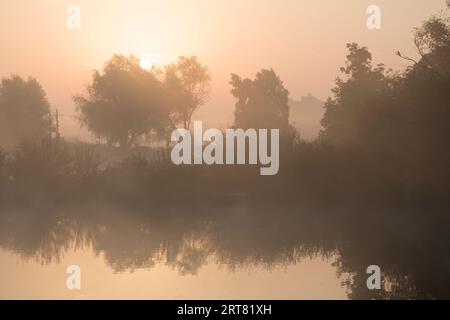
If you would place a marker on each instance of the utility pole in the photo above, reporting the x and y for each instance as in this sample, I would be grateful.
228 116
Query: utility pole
50 126
57 125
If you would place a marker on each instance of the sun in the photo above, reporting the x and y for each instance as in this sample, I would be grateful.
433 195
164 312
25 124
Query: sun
155 60
146 63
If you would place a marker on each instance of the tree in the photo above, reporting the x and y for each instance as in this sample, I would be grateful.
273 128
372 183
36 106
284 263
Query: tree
423 99
187 83
123 103
432 41
262 102
24 110
354 110
395 127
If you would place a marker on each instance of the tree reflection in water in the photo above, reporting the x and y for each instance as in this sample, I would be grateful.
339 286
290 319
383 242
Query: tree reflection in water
412 253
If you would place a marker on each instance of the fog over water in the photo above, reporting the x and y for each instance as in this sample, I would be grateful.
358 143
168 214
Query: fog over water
356 122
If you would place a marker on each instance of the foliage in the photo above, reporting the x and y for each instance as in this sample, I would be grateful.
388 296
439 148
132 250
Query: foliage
24 110
396 125
187 83
123 103
353 111
262 102
41 164
85 161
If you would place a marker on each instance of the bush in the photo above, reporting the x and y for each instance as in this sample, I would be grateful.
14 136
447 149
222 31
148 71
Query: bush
42 165
85 162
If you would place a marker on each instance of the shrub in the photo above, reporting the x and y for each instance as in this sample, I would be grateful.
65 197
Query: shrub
42 164
85 162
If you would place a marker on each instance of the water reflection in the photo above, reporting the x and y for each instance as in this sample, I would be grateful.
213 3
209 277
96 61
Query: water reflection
238 235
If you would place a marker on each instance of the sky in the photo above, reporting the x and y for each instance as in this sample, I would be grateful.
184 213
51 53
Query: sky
302 40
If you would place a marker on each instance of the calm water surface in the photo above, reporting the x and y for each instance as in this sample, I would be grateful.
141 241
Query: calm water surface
309 279
221 251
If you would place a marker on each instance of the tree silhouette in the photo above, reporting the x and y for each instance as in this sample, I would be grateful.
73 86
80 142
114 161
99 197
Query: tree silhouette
349 113
24 110
395 126
187 84
123 103
262 102
432 43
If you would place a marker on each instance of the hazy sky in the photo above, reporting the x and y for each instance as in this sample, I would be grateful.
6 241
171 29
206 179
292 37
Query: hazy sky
303 40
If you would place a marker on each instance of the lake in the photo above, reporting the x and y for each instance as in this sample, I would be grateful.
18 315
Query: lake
228 251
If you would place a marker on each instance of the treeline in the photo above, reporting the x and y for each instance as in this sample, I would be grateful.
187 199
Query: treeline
392 129
384 138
